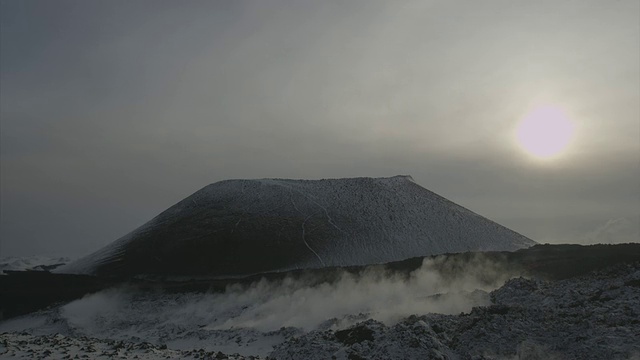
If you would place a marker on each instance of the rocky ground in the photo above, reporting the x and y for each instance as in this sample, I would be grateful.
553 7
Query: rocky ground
595 316
590 317
27 346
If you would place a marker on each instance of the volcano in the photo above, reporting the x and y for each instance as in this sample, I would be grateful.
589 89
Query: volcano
242 227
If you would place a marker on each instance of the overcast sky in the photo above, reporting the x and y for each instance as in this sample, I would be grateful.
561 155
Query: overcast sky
112 111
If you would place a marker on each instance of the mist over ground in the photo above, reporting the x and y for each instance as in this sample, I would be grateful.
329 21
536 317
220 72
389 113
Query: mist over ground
270 305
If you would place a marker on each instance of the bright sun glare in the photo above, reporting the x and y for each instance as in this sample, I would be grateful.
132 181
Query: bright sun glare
545 132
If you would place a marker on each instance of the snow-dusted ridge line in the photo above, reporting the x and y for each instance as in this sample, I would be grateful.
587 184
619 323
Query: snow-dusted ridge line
236 227
32 263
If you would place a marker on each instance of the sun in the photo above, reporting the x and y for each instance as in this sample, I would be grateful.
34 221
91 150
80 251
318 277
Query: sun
545 132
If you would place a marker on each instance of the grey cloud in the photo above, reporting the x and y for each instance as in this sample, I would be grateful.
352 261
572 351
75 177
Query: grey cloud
113 111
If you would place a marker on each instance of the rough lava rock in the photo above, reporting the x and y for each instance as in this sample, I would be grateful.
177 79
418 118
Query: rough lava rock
596 316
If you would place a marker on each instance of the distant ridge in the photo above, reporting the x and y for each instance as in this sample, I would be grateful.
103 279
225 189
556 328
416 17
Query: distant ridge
240 227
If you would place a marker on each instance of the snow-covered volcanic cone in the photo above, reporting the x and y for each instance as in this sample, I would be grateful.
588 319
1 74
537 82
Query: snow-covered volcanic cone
238 227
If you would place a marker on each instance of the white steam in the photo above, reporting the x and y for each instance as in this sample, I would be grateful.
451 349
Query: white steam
271 305
382 295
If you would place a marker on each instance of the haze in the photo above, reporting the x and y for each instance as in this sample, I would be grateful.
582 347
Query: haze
112 111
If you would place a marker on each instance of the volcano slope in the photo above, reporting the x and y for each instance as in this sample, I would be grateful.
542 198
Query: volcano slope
241 227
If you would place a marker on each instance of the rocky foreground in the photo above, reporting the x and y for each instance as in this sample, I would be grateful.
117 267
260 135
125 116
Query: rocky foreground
591 317
26 346
595 316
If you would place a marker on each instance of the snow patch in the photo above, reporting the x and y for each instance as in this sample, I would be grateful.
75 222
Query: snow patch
32 263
